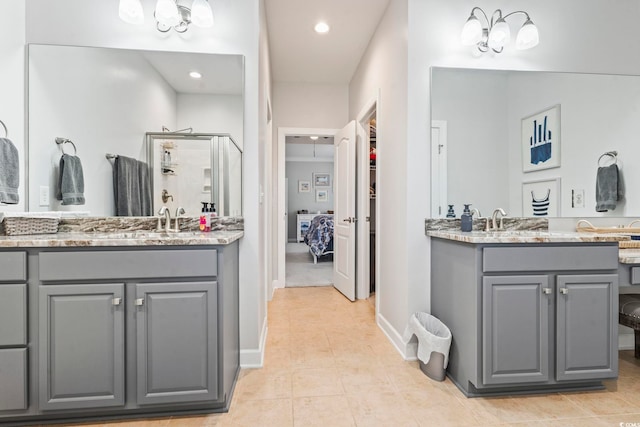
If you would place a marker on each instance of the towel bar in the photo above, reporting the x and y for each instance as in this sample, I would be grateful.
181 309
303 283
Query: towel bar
613 154
62 141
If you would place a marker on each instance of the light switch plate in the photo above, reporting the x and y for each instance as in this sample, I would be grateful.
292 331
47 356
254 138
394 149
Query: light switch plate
577 198
44 195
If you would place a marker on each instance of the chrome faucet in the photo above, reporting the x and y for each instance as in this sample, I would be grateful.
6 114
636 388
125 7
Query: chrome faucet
480 217
179 212
494 217
164 211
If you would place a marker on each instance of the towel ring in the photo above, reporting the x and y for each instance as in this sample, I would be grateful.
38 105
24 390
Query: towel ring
62 141
6 131
612 154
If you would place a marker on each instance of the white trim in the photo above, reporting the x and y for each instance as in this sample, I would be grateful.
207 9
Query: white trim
281 233
254 358
626 341
407 351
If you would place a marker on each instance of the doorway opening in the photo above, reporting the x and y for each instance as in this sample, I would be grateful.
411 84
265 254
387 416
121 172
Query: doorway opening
309 199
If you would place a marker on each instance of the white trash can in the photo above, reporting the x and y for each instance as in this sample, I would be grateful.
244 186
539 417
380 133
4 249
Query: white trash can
434 342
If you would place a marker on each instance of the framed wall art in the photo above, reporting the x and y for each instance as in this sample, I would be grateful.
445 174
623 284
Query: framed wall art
541 198
321 179
541 140
322 195
304 186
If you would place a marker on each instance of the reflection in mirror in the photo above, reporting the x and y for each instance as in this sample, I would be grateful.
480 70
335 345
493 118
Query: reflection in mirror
477 127
189 169
107 100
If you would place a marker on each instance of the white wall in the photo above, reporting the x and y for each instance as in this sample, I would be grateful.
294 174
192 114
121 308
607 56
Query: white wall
211 114
474 105
91 23
304 105
304 171
69 98
12 52
566 44
384 67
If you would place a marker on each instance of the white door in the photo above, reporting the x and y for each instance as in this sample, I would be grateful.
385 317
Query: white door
344 233
438 169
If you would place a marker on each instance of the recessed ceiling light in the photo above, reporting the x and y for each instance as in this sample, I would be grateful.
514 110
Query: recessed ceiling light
195 75
321 27
313 137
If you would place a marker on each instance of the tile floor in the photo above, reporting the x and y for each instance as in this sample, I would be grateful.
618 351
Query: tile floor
327 364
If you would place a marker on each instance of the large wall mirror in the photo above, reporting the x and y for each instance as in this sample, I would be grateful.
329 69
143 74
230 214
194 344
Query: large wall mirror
482 119
106 101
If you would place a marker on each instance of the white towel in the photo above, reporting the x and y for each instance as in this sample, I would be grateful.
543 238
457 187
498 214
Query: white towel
9 172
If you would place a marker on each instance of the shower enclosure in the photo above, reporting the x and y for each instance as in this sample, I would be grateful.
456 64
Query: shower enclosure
190 168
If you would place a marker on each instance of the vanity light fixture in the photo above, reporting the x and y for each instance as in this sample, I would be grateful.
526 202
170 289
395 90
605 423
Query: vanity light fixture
321 28
169 14
495 34
313 137
195 75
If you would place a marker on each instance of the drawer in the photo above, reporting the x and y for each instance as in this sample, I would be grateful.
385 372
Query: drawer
127 264
13 315
549 258
13 379
13 266
635 275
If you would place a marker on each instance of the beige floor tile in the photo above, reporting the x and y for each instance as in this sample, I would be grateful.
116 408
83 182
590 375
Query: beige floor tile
153 422
386 408
331 411
263 413
603 403
355 378
317 382
277 358
217 420
264 383
305 358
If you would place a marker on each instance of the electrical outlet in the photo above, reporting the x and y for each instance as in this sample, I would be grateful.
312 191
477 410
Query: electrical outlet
44 195
577 198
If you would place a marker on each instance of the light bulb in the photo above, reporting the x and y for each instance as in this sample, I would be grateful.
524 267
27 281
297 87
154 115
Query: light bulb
130 11
499 35
321 28
167 13
201 14
195 75
471 32
528 36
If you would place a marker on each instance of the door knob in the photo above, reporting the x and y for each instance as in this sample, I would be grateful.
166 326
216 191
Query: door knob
347 220
564 291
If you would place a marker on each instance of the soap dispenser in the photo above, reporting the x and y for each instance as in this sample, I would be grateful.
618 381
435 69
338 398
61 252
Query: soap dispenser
205 221
466 223
451 213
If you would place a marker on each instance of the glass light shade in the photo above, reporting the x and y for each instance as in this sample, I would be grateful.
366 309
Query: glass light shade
500 35
471 32
528 36
130 11
201 14
167 12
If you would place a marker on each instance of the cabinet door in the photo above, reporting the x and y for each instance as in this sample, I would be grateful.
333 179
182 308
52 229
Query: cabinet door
81 346
515 329
587 327
177 342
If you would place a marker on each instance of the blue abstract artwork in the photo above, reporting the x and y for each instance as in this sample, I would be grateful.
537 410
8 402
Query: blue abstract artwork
541 140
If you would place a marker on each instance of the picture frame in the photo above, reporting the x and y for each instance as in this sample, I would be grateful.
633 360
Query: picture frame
541 198
541 140
321 179
304 186
322 195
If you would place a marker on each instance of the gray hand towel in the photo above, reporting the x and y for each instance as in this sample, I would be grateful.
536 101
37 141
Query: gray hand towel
9 172
131 187
70 181
608 188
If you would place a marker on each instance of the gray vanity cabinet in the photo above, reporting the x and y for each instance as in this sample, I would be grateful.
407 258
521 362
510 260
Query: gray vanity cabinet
176 342
81 346
515 329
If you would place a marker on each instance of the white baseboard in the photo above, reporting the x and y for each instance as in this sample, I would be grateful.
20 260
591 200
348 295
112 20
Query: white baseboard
626 341
254 358
407 351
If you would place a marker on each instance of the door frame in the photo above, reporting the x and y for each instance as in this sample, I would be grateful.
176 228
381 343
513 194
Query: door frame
439 164
369 109
282 223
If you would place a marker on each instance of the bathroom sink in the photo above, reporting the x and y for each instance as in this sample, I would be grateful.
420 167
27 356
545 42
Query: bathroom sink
145 235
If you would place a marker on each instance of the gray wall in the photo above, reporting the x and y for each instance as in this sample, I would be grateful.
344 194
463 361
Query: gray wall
304 171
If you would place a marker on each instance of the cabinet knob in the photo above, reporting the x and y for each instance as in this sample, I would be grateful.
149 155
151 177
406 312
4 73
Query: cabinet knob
546 291
139 301
116 301
564 291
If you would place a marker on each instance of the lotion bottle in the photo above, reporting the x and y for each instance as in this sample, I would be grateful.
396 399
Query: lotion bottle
466 220
205 224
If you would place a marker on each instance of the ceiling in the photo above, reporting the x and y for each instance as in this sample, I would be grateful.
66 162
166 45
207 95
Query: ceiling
299 54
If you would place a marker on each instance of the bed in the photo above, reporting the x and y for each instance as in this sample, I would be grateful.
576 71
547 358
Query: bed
319 236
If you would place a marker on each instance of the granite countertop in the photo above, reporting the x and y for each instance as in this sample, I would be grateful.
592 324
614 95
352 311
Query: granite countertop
629 256
524 236
122 238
